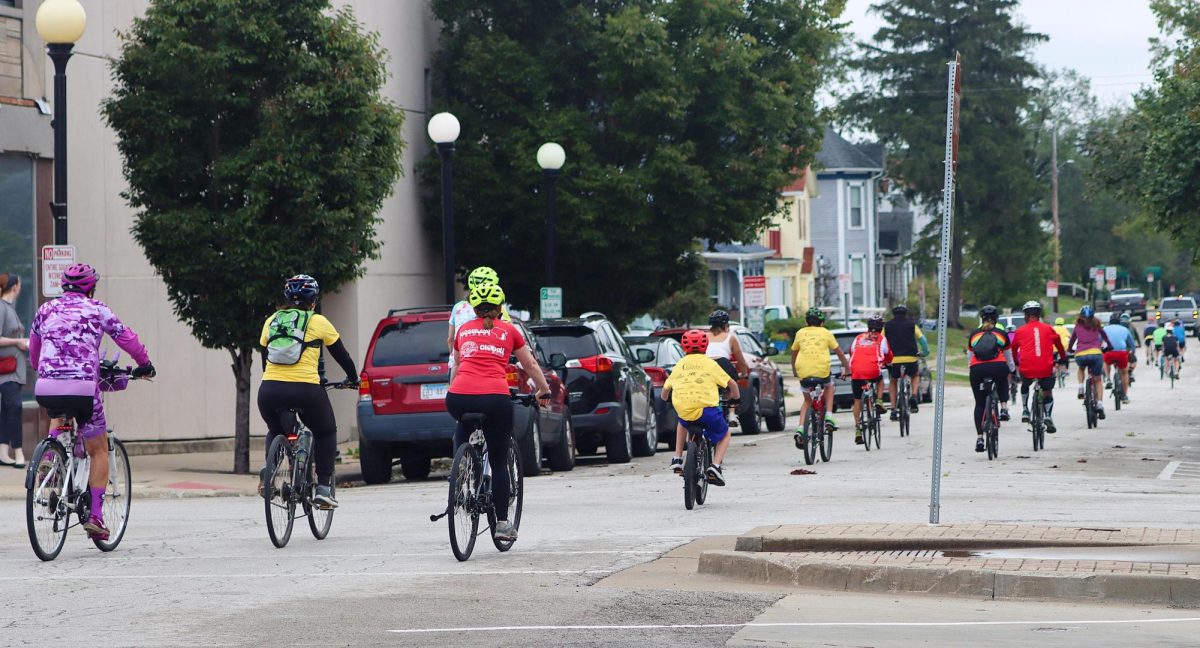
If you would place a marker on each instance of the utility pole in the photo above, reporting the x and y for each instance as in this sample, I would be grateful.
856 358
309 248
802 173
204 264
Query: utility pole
1054 210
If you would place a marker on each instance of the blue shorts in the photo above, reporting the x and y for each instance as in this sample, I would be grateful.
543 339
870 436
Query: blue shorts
712 422
1093 362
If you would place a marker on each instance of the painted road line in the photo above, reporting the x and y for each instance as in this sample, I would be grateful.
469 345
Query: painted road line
1169 470
797 624
427 554
292 575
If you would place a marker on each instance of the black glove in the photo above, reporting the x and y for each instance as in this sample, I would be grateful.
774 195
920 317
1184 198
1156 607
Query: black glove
735 401
144 371
350 382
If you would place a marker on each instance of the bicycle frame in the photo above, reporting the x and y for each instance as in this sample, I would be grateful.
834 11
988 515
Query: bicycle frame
77 471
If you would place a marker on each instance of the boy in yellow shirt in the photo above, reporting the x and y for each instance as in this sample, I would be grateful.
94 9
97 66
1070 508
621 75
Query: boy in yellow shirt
810 360
696 381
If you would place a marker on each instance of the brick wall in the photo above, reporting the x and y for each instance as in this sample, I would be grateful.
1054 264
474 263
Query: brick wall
10 57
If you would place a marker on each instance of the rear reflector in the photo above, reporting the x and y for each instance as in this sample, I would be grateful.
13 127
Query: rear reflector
364 388
602 410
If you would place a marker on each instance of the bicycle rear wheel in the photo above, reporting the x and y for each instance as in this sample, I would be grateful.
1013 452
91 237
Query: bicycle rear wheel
117 496
516 499
812 424
1036 422
45 515
278 497
463 503
319 520
704 460
826 441
990 423
689 475
868 408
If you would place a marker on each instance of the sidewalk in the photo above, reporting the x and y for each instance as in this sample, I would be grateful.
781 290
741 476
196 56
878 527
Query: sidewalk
994 561
195 474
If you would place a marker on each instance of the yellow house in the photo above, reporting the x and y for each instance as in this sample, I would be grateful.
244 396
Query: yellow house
790 272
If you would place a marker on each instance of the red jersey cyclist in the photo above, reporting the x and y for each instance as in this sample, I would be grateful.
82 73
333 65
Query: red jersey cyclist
868 354
1034 346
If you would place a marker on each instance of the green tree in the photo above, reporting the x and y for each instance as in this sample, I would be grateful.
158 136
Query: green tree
256 145
904 103
1149 154
688 305
681 120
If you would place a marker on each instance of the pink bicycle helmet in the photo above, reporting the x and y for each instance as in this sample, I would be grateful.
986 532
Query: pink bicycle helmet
80 278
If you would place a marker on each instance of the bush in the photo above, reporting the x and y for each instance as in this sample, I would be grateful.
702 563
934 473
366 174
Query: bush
785 329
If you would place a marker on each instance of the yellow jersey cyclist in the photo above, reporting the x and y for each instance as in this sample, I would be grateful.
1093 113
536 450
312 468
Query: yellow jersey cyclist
292 338
694 389
906 342
463 312
810 360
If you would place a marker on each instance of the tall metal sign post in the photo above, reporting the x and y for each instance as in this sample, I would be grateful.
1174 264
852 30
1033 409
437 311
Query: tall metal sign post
953 93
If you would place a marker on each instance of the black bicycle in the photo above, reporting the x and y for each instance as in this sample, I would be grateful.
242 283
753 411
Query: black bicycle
1037 417
56 483
1118 388
289 480
870 418
1090 408
697 459
901 405
471 488
816 432
991 419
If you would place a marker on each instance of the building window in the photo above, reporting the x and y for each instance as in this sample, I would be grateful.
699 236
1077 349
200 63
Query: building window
858 281
714 285
17 249
8 3
856 206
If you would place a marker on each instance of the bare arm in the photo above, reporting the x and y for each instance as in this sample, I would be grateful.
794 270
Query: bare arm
525 357
666 393
734 392
739 358
842 356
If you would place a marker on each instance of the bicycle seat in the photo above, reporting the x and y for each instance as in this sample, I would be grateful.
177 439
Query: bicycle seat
54 414
474 418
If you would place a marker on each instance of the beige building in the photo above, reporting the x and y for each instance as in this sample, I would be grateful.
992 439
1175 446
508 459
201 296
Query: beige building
790 271
193 397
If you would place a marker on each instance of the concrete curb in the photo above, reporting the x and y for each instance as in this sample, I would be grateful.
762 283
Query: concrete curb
775 569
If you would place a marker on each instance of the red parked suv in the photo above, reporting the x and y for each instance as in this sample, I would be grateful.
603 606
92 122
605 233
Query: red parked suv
763 398
402 401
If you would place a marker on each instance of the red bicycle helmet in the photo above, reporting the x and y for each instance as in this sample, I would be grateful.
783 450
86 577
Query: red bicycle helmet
694 341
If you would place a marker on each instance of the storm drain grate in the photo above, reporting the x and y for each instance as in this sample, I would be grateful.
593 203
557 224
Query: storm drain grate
1181 470
909 553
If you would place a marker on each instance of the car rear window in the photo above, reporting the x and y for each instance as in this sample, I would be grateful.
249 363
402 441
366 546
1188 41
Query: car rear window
572 343
1172 304
411 343
845 340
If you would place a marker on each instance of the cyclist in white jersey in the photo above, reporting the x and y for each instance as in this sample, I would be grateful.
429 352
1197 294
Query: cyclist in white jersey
723 347
463 312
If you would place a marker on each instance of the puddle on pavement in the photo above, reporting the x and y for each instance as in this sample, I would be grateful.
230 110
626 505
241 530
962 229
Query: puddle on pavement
1184 554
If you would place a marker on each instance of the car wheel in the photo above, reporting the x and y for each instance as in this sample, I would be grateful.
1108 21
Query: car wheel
619 445
415 468
778 420
375 461
561 457
648 442
531 447
751 420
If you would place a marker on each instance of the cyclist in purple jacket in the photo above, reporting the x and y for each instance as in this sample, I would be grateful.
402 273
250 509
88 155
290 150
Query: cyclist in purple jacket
64 348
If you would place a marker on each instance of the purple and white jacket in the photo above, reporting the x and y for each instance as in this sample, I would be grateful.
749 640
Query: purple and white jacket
64 344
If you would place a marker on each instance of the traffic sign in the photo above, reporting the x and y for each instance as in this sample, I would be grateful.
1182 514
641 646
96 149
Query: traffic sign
754 291
1149 278
1110 273
55 260
1052 289
844 284
551 302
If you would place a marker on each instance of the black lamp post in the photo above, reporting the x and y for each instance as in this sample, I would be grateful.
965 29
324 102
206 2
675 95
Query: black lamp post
60 23
550 157
443 130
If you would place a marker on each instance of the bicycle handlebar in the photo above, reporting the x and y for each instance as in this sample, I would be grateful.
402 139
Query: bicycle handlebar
345 384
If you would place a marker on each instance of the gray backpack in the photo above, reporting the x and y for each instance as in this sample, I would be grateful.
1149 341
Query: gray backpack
285 336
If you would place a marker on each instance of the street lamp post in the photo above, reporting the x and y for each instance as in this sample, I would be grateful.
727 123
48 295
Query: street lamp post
60 23
1054 166
550 157
443 130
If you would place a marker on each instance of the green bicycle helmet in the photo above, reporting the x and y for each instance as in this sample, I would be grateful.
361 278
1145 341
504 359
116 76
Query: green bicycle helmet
815 313
482 276
486 294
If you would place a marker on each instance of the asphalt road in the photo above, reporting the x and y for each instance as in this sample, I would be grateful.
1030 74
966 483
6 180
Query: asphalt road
202 571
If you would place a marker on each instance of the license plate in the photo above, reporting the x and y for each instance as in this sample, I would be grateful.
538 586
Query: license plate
434 391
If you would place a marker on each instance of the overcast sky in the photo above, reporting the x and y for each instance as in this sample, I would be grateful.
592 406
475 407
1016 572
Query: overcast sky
1105 40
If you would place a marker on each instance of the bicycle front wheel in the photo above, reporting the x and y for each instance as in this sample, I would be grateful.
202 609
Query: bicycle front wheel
117 496
45 513
990 427
826 441
279 498
704 460
463 502
516 499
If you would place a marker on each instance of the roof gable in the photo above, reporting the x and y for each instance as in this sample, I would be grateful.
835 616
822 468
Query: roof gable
838 153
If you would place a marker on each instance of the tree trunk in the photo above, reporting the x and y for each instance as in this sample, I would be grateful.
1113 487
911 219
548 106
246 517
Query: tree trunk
243 357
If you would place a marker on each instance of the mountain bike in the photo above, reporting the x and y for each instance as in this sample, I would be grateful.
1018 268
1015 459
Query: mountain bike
289 479
56 482
1091 410
1037 417
870 417
1118 388
817 430
901 404
1061 374
991 418
471 488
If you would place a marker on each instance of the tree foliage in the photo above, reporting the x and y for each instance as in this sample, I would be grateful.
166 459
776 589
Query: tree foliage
256 145
681 120
1152 153
903 101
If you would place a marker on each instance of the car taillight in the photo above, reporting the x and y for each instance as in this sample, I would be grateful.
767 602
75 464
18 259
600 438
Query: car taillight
364 388
513 378
658 375
594 364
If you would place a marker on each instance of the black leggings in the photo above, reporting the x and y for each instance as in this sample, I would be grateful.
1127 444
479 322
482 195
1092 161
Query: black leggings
998 372
497 430
276 397
10 414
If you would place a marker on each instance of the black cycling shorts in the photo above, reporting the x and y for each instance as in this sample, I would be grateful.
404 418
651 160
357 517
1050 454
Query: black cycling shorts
857 385
812 383
909 369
